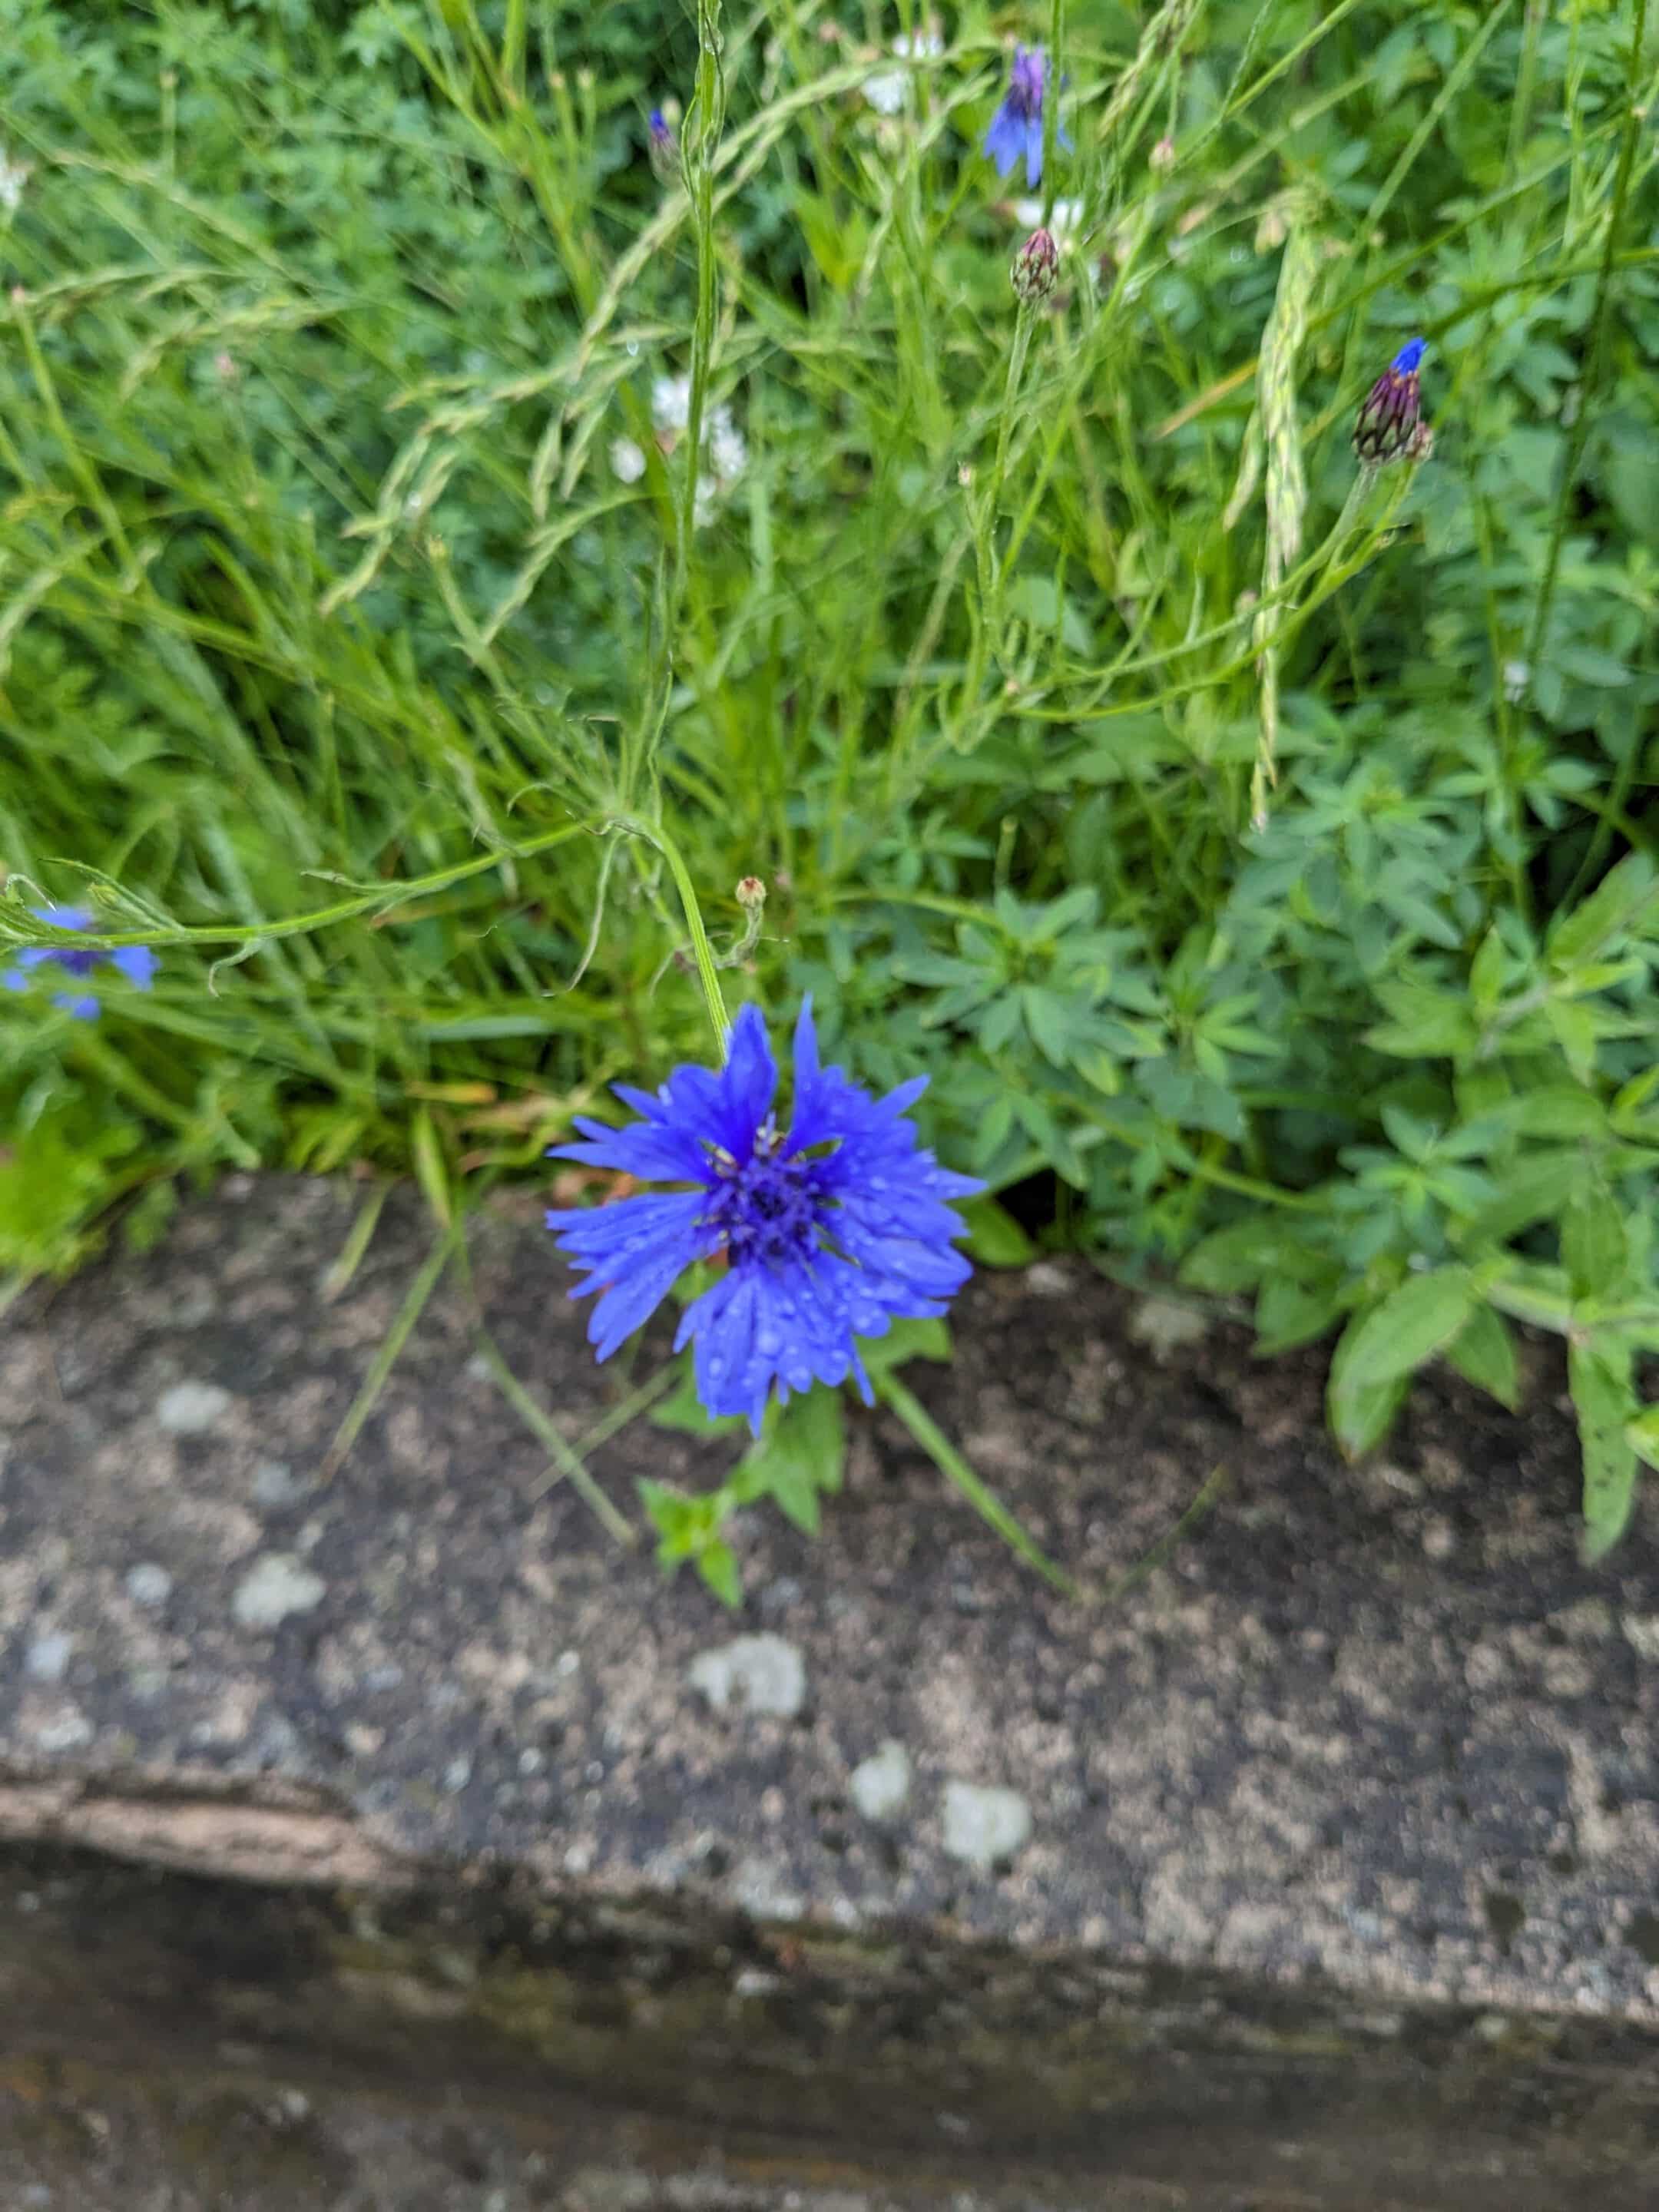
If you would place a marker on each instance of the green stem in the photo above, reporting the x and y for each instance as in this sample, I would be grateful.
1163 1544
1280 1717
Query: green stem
1051 108
950 1464
1581 428
702 951
700 142
990 577
380 899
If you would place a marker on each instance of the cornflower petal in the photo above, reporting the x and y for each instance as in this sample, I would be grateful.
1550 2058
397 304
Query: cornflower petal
634 1251
1004 141
747 1083
136 963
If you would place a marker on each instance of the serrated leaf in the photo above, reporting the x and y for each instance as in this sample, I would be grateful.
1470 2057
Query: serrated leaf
1599 1376
1483 1352
994 1238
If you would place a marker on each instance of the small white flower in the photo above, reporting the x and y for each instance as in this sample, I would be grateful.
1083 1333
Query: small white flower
728 452
627 461
708 499
13 175
888 90
1517 676
671 403
1063 224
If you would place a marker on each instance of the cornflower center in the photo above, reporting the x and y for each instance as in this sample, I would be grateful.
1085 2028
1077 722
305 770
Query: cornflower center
770 1209
1025 86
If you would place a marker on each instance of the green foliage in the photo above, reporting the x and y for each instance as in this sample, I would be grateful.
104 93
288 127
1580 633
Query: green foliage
341 662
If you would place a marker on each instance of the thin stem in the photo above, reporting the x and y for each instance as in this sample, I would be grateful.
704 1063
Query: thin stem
1593 373
700 142
702 951
983 1499
1051 108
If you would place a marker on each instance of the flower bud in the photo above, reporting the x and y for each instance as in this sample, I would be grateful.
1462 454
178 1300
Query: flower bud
1036 269
752 892
1386 426
663 148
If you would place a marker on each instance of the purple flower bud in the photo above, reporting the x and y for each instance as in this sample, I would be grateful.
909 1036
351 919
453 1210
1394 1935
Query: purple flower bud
1387 423
664 147
1036 269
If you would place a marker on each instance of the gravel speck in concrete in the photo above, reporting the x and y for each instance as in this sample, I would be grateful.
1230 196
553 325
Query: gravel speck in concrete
764 1674
47 1658
148 1584
984 1826
276 1586
192 1409
881 1784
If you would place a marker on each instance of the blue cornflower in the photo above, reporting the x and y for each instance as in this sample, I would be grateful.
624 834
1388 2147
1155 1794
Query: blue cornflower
1016 126
1386 424
831 1230
136 962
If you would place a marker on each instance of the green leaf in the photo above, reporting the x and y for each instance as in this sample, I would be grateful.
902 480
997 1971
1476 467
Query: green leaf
1592 1247
1626 900
1642 1435
906 1340
1533 1292
799 1455
1483 1352
1558 1110
681 1409
1237 1257
1599 1376
1426 1024
1414 1322
1361 1419
1289 1313
717 1565
995 1239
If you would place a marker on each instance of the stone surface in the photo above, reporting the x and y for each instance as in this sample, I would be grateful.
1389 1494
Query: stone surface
1369 1766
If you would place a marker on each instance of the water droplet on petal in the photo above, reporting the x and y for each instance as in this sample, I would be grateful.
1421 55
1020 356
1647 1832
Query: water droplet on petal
716 1365
767 1342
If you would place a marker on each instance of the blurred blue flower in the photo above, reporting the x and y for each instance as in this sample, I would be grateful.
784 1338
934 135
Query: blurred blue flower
136 962
1016 126
831 1230
1386 424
